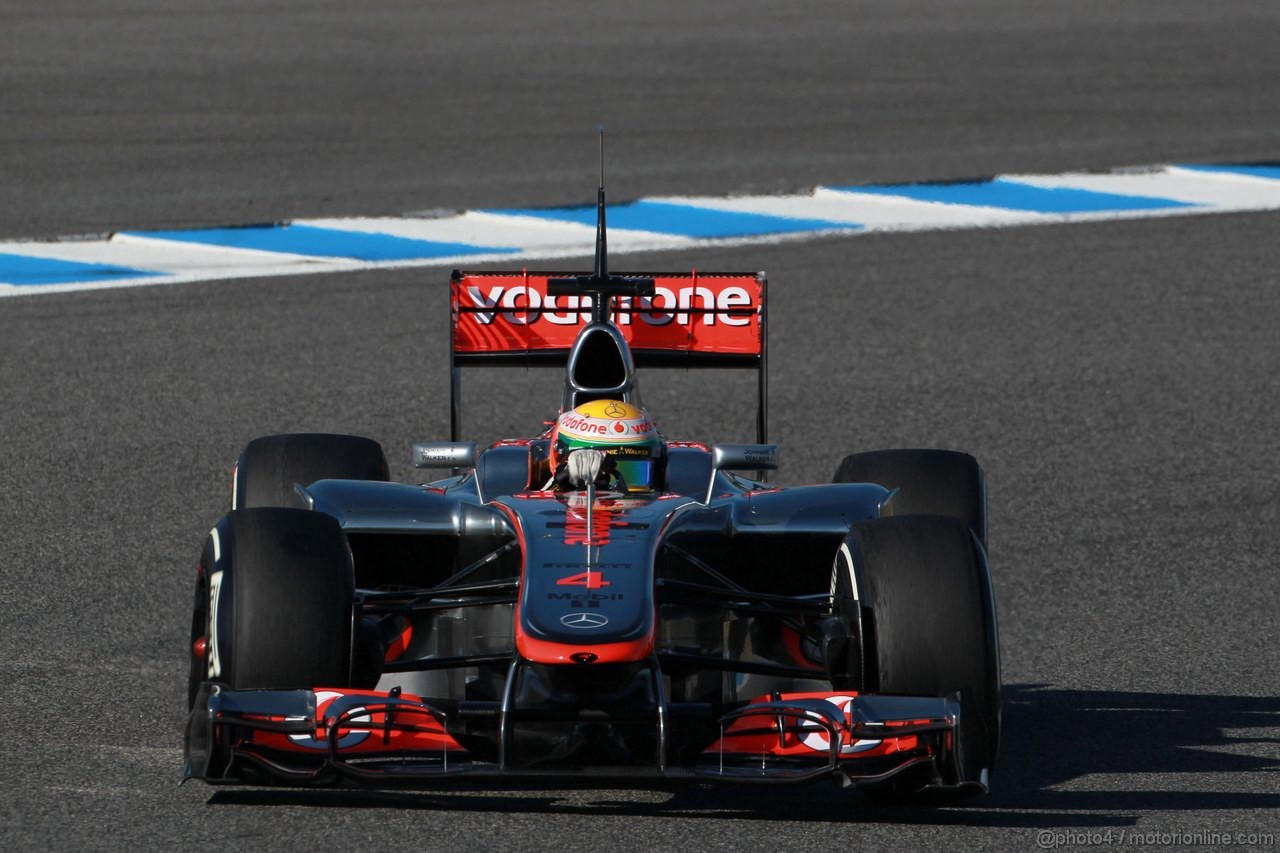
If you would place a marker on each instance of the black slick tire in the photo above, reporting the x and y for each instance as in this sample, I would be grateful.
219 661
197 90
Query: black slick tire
930 482
270 466
275 603
929 625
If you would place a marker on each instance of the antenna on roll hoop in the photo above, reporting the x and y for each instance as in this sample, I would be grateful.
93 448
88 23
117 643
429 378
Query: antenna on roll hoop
602 248
600 286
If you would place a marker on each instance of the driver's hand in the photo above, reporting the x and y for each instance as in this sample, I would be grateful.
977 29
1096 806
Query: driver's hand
584 465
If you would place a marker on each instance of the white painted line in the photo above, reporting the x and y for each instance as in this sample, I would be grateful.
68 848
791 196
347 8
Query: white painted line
110 284
163 256
909 214
859 209
479 228
473 228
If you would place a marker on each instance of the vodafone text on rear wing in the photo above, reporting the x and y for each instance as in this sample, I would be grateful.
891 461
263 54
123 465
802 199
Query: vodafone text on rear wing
692 320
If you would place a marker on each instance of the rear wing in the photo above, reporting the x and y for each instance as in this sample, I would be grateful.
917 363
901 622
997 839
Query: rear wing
693 320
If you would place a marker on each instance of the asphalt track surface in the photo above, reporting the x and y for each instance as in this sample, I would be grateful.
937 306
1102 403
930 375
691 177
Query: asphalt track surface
1117 380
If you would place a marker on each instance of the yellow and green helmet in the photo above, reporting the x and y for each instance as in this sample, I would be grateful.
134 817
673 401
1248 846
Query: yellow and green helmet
623 431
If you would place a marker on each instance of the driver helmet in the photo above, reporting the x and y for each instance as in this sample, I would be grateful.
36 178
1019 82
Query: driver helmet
624 432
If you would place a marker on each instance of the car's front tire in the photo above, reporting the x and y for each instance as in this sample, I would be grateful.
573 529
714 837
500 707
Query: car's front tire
929 625
275 603
270 466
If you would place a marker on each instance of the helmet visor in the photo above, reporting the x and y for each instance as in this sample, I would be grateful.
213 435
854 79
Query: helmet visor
636 473
635 463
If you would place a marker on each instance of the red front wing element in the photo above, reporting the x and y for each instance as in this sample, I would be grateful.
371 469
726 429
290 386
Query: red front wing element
316 737
363 724
801 734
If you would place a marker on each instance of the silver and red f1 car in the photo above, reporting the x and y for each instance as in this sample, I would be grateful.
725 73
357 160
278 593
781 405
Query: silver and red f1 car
709 628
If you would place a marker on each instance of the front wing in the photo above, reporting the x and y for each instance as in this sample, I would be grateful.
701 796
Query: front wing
325 736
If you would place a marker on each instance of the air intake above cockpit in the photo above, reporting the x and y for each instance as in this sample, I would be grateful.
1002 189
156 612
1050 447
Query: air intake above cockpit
600 367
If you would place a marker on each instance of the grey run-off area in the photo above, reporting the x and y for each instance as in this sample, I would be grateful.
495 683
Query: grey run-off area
1117 380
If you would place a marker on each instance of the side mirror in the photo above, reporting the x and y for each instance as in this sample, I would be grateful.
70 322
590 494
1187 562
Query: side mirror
444 454
744 457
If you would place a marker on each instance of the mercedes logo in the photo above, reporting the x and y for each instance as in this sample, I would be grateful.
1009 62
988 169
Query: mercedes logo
613 410
584 619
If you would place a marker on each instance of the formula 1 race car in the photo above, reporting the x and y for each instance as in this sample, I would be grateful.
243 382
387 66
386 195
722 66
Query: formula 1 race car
526 616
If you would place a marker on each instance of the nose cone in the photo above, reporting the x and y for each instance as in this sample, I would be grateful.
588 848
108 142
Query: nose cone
588 584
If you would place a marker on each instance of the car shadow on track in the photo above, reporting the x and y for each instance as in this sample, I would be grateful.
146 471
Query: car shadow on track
1052 739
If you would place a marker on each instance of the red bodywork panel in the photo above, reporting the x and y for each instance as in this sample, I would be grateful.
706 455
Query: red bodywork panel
814 740
417 732
511 312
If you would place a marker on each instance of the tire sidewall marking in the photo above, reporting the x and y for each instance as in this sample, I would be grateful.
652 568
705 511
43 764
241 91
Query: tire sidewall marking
215 595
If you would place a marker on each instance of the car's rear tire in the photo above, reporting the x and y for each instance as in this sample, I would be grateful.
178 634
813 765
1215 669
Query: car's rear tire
930 482
929 625
275 603
270 466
